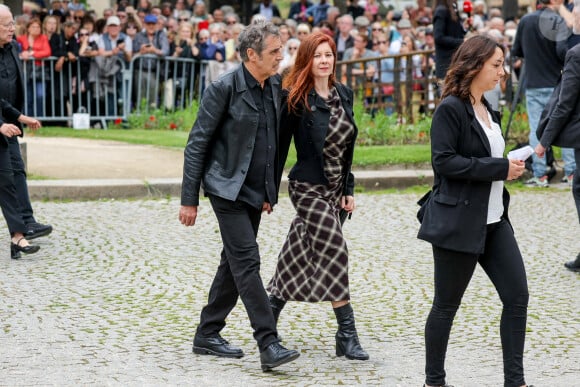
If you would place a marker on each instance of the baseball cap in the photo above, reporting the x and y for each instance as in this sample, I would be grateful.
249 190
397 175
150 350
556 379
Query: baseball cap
150 19
113 21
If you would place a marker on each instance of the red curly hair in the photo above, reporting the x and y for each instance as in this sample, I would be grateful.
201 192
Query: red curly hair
300 80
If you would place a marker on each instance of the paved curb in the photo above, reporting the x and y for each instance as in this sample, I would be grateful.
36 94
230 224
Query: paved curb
93 189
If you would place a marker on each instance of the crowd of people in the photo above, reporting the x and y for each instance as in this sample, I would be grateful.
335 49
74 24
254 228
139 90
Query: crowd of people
89 49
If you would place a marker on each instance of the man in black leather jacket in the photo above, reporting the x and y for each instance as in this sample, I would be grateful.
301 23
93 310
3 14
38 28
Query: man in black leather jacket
232 152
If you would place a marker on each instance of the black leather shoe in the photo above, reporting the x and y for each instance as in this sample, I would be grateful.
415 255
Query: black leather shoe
16 249
275 355
37 230
574 265
217 346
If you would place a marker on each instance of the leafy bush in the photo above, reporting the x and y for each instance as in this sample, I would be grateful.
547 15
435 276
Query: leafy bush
161 119
378 130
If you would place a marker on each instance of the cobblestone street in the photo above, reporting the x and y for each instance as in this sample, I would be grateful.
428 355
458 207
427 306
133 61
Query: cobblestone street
114 296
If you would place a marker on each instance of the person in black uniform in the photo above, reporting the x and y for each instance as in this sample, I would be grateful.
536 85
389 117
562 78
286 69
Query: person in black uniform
12 86
448 32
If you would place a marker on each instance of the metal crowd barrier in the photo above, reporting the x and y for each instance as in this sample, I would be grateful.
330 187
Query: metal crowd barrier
407 96
108 89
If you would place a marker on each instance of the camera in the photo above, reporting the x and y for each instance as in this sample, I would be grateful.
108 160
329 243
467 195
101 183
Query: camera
93 46
120 41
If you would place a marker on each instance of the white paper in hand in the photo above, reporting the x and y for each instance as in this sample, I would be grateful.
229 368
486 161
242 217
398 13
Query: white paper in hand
521 153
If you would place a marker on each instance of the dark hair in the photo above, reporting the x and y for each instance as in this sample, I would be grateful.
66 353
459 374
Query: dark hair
466 63
254 37
451 6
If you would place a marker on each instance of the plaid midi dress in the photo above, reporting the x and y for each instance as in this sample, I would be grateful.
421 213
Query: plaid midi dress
313 263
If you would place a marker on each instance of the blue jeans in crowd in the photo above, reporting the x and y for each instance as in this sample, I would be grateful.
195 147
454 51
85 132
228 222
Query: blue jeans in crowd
536 100
35 95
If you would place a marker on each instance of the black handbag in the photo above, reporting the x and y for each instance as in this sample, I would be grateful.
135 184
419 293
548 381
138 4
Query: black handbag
423 203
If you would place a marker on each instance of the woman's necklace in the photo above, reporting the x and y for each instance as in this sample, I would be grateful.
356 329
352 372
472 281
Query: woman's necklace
481 112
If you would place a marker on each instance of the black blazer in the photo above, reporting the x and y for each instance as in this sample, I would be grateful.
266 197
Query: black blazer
448 35
309 130
560 121
456 217
221 142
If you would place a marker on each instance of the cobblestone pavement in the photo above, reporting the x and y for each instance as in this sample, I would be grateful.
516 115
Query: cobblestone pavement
114 296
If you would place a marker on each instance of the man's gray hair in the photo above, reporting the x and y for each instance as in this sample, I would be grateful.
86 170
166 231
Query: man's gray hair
5 8
254 36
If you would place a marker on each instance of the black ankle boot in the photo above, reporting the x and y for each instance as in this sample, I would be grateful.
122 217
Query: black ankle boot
574 265
347 343
277 305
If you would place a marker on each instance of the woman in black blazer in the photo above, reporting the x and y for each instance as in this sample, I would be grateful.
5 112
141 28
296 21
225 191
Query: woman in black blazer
8 198
466 218
313 263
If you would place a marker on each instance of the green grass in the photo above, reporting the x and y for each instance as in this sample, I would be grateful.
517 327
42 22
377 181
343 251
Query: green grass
365 156
163 138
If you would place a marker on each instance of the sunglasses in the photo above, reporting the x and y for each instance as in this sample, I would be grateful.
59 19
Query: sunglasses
183 19
231 22
377 29
83 34
380 42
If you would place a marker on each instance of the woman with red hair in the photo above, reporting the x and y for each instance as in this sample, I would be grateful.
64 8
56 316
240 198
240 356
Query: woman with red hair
313 263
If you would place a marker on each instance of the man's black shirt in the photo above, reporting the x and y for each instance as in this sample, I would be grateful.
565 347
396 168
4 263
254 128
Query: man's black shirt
259 185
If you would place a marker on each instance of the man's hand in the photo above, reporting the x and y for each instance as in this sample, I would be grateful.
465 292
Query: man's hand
187 215
267 207
10 130
32 123
540 150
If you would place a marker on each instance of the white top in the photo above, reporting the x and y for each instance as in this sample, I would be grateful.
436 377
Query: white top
497 143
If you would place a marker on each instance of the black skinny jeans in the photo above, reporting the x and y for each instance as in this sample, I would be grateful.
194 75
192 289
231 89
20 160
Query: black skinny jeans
238 274
502 261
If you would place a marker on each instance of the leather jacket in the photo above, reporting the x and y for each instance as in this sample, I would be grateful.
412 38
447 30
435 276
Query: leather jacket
221 142
560 121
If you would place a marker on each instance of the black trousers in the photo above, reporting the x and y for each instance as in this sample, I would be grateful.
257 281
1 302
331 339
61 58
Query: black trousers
238 274
8 198
503 264
20 180
576 182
